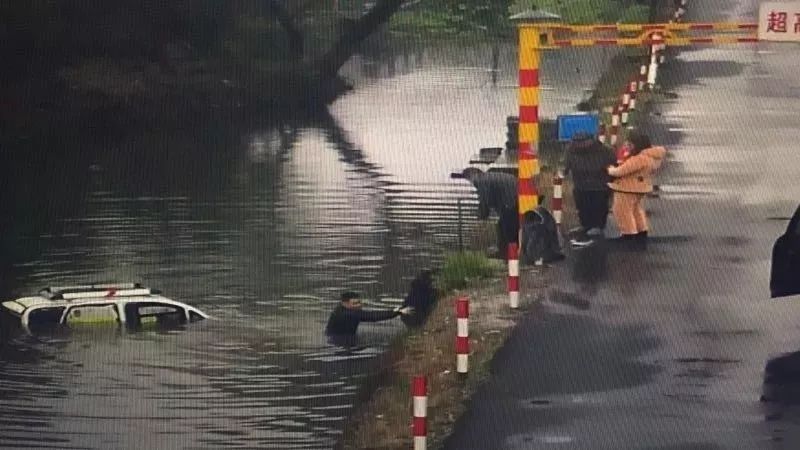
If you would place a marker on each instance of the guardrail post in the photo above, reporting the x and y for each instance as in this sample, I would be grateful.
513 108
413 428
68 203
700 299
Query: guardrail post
513 276
462 334
419 392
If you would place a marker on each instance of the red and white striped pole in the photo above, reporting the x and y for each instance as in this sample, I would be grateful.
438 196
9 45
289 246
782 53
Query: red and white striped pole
615 119
419 391
513 275
642 76
626 103
462 334
558 192
654 57
601 133
633 89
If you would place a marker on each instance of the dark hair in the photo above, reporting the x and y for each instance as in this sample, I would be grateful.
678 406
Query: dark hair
470 172
349 295
640 142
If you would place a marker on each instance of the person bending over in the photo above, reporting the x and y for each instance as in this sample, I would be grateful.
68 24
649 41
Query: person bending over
497 191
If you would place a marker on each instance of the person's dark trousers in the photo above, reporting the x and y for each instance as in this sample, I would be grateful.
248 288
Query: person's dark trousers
507 231
592 208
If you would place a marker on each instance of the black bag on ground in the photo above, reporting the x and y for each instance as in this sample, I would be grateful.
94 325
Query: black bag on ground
540 237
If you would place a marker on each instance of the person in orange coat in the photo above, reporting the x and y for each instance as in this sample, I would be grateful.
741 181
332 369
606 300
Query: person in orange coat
633 180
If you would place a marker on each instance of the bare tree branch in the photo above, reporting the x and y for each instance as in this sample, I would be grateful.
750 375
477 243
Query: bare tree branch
287 21
330 63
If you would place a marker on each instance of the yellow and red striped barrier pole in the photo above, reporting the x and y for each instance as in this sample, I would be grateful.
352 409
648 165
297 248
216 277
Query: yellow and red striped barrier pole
528 167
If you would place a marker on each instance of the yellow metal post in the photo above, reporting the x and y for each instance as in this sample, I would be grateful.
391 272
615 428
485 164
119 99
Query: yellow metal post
528 166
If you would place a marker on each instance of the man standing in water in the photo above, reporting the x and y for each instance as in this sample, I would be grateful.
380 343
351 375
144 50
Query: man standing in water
345 318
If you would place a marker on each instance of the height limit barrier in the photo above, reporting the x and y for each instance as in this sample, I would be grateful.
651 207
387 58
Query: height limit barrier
535 37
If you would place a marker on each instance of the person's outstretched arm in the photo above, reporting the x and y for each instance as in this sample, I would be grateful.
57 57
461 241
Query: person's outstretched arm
384 314
377 315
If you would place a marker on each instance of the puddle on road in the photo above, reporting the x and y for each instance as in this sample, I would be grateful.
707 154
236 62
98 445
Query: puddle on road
723 334
708 360
734 241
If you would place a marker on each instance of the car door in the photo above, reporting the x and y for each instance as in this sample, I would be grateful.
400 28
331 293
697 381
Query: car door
91 315
785 273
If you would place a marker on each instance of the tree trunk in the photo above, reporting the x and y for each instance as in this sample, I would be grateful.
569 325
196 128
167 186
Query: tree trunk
286 20
329 64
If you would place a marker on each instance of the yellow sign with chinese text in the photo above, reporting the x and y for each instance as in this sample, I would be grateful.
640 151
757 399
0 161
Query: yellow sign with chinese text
779 21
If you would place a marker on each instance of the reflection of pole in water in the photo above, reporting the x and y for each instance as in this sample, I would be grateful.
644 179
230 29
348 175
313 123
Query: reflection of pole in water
392 66
460 228
495 58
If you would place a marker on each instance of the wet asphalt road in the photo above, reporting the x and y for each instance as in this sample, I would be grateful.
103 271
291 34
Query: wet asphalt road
667 349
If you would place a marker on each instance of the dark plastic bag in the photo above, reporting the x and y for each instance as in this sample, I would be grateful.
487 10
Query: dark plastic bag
540 237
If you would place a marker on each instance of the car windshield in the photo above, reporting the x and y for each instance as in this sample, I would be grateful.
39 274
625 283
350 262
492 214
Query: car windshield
44 318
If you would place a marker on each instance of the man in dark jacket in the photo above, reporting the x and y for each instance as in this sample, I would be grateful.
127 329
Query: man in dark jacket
348 314
497 191
587 159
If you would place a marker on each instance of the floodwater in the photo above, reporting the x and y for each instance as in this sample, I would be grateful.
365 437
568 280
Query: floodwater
260 226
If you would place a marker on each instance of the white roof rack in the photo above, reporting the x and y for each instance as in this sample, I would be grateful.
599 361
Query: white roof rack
90 287
109 293
95 291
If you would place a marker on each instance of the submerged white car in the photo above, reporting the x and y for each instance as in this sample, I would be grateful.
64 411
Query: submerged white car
126 304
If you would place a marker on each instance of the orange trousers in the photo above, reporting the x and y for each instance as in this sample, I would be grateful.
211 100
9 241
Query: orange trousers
628 210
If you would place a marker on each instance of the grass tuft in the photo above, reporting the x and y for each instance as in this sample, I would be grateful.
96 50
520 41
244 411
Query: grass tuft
459 269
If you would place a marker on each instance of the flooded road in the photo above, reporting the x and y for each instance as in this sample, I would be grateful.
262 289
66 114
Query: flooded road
261 226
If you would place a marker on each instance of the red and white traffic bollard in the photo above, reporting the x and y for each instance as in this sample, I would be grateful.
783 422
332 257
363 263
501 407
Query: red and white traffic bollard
558 192
657 39
632 89
615 120
601 133
513 275
626 103
642 76
419 391
462 334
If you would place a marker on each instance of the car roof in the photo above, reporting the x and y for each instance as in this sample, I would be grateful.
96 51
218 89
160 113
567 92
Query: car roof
75 295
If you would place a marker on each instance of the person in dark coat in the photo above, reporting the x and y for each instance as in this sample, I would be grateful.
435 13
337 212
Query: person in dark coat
421 297
346 317
540 237
587 160
497 191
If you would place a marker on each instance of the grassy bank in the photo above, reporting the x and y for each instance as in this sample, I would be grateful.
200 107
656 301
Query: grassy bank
383 422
